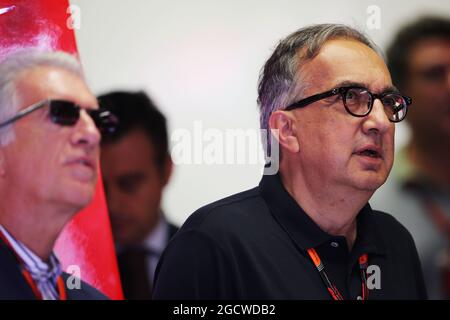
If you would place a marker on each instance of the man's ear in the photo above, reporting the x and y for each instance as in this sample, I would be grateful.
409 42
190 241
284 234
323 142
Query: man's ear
284 123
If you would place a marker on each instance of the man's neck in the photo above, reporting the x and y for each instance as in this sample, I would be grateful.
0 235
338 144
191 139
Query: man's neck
334 211
37 229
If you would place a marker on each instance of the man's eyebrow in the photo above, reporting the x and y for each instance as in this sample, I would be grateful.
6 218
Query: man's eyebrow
390 89
347 83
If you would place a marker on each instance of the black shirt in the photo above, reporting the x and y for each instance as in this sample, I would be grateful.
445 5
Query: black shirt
252 245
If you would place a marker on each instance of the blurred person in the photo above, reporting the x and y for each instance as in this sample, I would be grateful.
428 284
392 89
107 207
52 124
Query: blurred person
308 232
49 151
136 166
418 191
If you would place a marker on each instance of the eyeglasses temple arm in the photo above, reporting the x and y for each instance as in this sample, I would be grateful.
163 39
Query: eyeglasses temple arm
24 112
314 98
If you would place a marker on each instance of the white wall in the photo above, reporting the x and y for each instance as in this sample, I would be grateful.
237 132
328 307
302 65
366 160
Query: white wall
200 60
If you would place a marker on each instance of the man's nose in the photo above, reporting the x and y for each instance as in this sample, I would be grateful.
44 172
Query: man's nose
377 119
86 132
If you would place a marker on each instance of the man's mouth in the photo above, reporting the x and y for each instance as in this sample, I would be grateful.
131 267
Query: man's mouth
83 168
369 151
84 161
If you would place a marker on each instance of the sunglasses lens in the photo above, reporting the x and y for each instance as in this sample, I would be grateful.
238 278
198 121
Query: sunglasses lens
64 113
105 121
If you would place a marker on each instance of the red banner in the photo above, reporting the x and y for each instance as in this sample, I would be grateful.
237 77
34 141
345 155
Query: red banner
85 247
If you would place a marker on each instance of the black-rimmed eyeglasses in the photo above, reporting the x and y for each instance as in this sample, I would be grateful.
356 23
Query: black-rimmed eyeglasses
67 113
358 101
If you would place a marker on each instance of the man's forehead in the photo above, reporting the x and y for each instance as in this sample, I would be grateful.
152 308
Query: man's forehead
343 61
375 87
134 152
134 147
48 82
345 49
429 52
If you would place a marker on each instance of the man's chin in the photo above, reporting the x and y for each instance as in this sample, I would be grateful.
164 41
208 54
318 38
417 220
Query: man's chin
371 186
370 181
80 198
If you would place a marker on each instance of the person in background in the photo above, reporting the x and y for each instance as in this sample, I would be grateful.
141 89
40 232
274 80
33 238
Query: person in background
418 191
136 167
50 129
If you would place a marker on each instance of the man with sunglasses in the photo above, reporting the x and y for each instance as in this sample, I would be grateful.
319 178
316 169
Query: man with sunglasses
50 128
417 192
308 231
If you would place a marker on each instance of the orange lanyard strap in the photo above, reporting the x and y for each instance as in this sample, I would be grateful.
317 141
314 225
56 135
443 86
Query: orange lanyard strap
363 265
59 283
61 288
331 288
32 284
26 274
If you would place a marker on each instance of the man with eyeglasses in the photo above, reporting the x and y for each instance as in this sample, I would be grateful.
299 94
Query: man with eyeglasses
50 128
308 232
417 192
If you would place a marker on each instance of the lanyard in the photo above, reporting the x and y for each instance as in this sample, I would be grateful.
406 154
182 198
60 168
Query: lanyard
332 289
26 274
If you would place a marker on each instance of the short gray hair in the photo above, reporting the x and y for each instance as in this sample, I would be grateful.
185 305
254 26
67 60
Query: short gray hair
280 81
13 66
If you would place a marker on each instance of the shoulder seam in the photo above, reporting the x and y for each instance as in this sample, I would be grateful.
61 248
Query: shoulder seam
229 202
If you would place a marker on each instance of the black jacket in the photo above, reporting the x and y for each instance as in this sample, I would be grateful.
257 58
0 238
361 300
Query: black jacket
13 285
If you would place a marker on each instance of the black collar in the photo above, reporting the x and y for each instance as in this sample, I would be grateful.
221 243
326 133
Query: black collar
304 231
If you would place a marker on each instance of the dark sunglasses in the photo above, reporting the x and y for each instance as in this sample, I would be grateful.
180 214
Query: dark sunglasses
67 113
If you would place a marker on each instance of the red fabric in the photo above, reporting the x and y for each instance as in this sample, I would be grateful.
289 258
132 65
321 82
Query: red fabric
36 23
86 241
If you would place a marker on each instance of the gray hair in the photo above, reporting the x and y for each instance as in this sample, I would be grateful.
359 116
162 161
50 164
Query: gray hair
17 63
280 80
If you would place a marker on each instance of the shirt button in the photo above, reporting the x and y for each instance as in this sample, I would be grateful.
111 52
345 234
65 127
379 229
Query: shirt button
334 244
